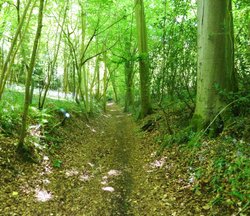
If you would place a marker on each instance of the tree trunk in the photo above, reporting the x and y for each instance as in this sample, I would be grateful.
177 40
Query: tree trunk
8 70
65 74
20 146
13 43
144 59
53 65
105 83
129 97
91 89
215 59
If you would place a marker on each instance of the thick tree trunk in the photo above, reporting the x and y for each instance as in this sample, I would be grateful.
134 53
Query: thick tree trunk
144 59
29 78
215 58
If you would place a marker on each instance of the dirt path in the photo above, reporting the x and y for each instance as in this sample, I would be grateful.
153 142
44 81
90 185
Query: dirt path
102 168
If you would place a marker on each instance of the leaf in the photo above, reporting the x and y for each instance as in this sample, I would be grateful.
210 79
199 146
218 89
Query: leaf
57 163
198 192
14 193
206 207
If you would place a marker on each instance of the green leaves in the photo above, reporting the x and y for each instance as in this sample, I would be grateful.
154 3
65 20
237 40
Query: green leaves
15 193
57 163
42 116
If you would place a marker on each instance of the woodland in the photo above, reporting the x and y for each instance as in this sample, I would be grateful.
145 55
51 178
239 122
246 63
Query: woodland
112 107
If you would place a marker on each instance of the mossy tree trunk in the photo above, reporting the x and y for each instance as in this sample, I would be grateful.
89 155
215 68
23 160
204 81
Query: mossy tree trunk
215 59
146 107
20 147
129 76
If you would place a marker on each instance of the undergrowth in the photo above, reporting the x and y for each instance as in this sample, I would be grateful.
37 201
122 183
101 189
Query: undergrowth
41 123
219 166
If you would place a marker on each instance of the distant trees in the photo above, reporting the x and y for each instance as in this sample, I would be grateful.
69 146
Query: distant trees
9 61
215 59
53 62
112 49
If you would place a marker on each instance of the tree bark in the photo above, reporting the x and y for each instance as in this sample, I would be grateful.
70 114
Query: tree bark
20 146
146 107
215 59
129 74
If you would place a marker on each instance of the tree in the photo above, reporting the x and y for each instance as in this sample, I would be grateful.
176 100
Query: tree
54 60
143 59
215 59
9 61
20 147
129 76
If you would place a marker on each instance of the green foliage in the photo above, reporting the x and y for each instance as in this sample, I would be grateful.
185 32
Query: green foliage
57 163
220 166
9 118
223 171
182 137
240 99
42 117
10 112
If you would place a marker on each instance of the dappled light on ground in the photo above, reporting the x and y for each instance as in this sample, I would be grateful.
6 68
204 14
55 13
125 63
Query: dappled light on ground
43 195
106 166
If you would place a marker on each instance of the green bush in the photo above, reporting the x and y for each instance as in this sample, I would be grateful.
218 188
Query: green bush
10 118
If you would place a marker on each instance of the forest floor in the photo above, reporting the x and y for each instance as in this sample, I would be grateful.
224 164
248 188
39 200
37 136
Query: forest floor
104 166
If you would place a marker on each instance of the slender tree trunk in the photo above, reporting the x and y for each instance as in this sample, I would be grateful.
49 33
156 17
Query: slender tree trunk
215 59
98 83
113 81
13 43
74 80
112 74
146 107
84 73
53 65
29 78
65 74
129 74
105 83
13 56
91 94
164 56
